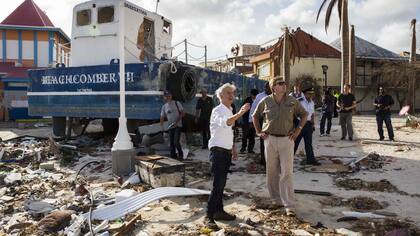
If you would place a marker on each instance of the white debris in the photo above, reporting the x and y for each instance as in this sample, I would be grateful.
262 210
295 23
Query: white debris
300 232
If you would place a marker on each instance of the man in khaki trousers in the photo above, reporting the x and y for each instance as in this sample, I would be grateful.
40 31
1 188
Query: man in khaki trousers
279 134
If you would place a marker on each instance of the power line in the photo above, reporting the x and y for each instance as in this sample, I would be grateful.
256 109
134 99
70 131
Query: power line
195 45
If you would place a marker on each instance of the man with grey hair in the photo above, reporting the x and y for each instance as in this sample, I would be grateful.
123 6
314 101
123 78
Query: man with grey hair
222 151
279 134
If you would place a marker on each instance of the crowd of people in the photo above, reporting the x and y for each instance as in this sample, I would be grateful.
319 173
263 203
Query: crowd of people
280 120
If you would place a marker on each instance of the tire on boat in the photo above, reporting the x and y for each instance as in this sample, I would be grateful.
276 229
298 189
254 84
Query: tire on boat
183 84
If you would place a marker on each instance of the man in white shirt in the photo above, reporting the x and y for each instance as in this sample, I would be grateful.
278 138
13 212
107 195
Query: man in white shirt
307 102
260 96
222 150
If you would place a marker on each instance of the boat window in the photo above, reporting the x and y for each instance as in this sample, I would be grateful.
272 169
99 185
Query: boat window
166 27
105 14
83 17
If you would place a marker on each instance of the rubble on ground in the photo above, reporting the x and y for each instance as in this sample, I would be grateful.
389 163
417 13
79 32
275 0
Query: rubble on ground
359 184
385 227
356 203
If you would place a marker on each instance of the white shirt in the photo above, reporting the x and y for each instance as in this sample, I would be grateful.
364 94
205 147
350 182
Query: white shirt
221 134
309 106
257 100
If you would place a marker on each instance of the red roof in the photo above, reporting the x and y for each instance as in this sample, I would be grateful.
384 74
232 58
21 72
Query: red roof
28 14
309 47
14 72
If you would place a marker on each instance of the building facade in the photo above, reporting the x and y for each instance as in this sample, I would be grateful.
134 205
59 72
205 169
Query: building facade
28 40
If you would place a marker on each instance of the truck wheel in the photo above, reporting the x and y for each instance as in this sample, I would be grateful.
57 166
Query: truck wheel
110 125
59 126
183 84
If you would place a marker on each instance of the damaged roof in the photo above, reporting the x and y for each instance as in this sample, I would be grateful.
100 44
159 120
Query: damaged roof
309 46
366 49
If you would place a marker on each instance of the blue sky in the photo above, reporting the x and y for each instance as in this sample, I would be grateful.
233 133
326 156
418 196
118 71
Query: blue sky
220 24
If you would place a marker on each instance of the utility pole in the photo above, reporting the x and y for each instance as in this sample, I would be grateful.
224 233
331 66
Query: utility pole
186 51
157 3
205 56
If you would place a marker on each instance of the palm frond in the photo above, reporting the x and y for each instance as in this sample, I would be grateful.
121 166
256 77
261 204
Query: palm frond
320 9
328 14
340 3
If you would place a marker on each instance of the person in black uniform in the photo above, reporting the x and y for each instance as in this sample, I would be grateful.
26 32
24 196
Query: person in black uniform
383 104
328 106
248 130
203 108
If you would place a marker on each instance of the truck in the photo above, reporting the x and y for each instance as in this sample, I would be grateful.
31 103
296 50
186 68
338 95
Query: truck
88 88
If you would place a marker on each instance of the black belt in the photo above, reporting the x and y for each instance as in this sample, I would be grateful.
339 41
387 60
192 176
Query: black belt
220 149
278 135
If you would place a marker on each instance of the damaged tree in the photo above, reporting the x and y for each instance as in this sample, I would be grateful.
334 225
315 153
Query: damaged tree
412 60
344 32
285 52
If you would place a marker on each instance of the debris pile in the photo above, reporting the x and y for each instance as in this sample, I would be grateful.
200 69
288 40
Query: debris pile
356 203
386 226
358 184
370 161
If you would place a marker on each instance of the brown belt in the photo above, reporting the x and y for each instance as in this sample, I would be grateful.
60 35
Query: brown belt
278 135
220 149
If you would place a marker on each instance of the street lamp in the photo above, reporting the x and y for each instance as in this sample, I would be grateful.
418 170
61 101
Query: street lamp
324 71
122 148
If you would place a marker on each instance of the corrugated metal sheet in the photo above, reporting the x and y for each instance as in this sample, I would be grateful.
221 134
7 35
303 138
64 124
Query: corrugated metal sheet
134 203
366 49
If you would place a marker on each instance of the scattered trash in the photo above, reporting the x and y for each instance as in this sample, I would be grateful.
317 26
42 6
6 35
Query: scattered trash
300 232
356 203
358 184
37 208
347 232
55 221
361 214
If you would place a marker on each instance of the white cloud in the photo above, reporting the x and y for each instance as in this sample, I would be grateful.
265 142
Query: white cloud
220 24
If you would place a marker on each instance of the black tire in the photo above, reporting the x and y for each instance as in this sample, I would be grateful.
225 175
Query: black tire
59 126
110 125
183 84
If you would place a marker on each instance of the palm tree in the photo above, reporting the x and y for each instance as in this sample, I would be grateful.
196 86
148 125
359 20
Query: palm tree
352 78
412 60
344 32
286 50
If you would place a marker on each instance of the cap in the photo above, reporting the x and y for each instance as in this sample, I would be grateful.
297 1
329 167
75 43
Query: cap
167 93
308 89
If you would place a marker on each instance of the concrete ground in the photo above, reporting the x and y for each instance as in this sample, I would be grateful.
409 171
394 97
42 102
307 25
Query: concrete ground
402 172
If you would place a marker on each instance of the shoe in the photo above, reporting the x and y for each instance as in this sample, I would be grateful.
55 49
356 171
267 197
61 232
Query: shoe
210 223
351 138
204 147
313 163
223 215
343 138
381 139
322 135
290 212
242 151
328 135
392 139
251 152
275 205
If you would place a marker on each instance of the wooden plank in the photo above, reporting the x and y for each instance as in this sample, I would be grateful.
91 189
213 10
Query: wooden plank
128 227
149 158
